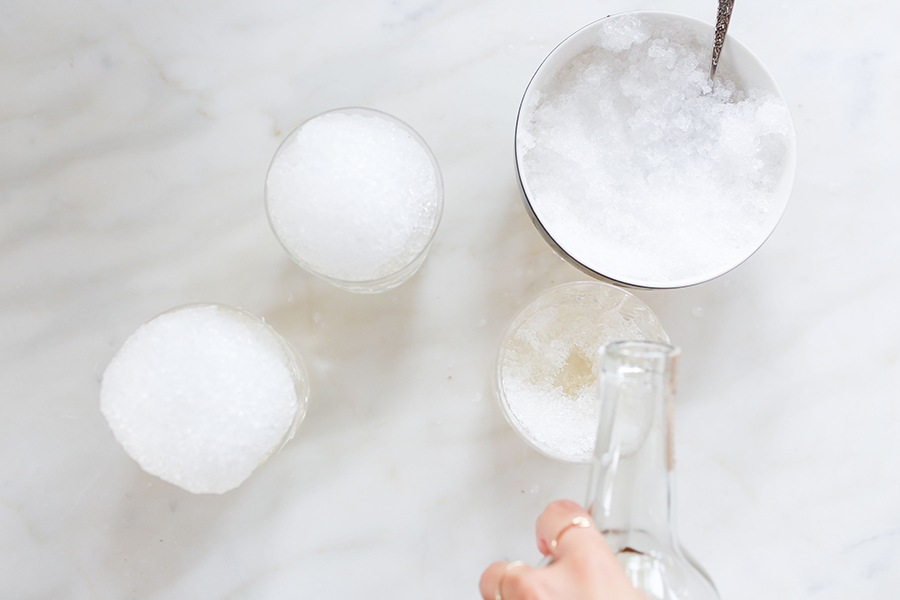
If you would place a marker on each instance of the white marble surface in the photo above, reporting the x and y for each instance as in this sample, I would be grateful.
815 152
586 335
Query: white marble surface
134 140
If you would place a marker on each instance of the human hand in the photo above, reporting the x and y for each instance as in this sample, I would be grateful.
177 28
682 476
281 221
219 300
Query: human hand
583 568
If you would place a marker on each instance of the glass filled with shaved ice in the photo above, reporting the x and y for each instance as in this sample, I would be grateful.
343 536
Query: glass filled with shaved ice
355 196
203 394
547 368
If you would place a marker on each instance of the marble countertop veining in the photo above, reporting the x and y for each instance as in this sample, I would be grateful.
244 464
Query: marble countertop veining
134 141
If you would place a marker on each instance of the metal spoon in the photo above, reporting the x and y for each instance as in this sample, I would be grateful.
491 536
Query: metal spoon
722 20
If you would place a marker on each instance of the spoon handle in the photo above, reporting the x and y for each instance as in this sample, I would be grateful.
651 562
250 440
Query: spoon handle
722 20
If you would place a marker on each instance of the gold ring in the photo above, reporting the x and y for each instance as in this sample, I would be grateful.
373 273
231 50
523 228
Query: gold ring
509 567
580 522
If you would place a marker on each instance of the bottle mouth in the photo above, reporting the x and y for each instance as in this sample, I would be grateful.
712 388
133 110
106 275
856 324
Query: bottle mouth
635 375
639 356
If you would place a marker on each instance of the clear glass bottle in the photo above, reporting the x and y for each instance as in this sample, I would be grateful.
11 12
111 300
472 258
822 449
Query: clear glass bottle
630 495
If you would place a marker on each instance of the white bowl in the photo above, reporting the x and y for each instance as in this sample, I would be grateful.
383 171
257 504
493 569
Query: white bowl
738 64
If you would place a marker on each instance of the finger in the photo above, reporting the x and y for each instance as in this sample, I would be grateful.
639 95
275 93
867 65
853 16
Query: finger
502 578
562 524
581 553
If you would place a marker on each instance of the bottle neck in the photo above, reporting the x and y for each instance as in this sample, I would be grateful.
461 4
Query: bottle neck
630 494
635 499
